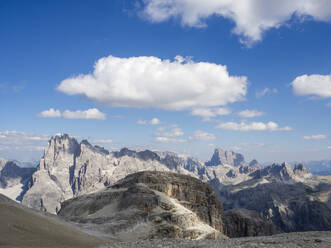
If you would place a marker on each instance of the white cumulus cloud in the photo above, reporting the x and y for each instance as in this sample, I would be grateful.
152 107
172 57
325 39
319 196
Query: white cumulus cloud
251 17
92 113
153 82
329 147
88 114
312 85
155 121
202 136
315 137
51 113
253 126
250 113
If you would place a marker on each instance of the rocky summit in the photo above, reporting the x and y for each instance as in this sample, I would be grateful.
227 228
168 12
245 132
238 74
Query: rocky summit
150 204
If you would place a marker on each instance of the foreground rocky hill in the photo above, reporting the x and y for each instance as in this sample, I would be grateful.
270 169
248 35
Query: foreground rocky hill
148 205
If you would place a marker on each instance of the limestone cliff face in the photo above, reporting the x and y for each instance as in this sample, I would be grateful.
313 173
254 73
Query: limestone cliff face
153 204
190 192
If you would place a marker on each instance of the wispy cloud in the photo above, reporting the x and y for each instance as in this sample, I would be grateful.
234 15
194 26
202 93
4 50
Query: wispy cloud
265 91
171 134
154 121
202 136
208 113
315 137
20 141
253 126
250 113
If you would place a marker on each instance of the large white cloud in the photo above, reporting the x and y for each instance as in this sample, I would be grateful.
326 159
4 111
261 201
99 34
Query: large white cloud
153 82
251 17
253 126
312 85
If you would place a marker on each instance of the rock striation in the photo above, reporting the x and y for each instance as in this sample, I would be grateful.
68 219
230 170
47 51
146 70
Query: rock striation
154 204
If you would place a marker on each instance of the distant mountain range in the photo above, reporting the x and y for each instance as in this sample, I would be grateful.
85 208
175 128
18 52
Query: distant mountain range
320 167
286 199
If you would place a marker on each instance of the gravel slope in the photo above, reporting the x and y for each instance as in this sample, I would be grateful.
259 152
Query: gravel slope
289 240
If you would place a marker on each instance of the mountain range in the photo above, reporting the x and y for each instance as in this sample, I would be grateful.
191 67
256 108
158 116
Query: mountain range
276 197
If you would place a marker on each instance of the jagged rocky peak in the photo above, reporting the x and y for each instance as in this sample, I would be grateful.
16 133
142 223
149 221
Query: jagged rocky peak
281 172
300 169
2 162
97 149
254 163
63 143
222 157
143 155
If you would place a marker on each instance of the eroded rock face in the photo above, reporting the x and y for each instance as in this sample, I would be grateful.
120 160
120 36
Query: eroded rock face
191 192
154 204
246 223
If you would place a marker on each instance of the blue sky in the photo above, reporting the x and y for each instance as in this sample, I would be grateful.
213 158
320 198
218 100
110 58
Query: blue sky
263 87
